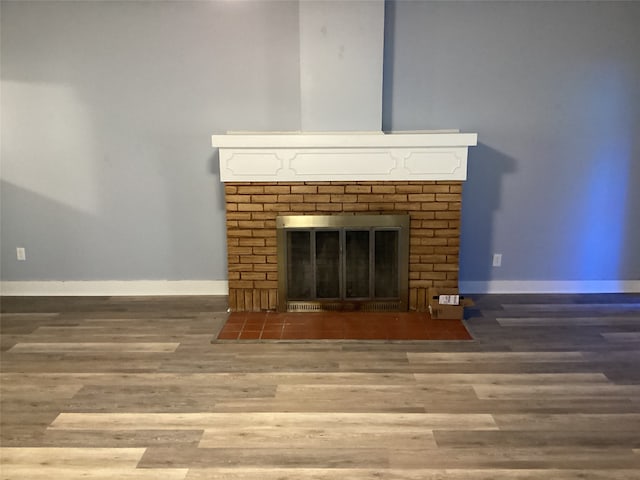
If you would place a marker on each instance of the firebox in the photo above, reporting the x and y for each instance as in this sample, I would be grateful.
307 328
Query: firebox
343 262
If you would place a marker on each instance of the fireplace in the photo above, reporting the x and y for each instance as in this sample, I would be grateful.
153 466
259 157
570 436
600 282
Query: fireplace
343 262
273 181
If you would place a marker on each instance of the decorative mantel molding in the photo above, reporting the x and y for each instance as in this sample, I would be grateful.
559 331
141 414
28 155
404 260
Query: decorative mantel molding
348 156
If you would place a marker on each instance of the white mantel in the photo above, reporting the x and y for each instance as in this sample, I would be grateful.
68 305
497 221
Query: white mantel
343 156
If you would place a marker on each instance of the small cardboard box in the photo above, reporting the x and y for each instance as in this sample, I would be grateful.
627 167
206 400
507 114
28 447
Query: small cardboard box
440 306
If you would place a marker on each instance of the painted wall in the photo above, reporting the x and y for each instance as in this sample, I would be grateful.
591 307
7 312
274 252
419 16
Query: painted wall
108 107
341 59
553 90
107 112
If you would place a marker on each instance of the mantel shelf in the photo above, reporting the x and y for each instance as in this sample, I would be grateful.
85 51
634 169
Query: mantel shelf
343 156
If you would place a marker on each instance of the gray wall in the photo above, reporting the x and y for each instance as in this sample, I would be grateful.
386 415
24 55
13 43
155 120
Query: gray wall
553 90
108 107
107 112
341 58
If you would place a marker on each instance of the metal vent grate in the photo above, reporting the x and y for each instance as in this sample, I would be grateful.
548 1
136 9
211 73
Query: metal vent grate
313 307
381 306
309 306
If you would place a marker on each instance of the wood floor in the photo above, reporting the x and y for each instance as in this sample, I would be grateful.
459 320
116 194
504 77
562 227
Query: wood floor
133 388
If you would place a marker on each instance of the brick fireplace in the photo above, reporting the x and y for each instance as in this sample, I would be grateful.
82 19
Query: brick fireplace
266 176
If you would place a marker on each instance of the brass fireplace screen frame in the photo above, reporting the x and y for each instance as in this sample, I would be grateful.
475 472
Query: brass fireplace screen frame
343 223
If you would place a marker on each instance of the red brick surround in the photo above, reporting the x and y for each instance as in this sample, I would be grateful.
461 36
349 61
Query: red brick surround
252 208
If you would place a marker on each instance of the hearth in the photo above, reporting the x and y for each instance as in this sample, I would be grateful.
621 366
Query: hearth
343 262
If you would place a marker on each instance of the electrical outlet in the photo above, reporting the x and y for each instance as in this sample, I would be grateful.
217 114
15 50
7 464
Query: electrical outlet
21 254
497 259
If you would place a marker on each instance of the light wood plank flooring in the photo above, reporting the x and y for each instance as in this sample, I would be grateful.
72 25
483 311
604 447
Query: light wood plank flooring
133 388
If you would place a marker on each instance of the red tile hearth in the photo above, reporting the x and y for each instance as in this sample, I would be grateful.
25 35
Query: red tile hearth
340 326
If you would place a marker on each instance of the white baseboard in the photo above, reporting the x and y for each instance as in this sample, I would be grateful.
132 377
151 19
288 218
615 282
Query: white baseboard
542 286
221 287
115 288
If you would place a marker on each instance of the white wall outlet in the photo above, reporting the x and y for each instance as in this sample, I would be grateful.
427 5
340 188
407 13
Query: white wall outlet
21 253
497 259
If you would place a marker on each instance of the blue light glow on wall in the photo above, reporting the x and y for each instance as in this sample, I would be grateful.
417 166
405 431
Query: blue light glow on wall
599 243
599 235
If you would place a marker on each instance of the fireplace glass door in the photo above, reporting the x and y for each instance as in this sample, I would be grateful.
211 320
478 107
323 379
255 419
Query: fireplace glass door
349 262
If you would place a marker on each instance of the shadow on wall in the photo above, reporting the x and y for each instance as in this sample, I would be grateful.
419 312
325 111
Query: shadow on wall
214 169
43 253
481 198
387 65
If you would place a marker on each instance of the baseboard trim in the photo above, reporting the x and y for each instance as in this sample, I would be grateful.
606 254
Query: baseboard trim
542 286
115 288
